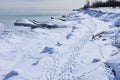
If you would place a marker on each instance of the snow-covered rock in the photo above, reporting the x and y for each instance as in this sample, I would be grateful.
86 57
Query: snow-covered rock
24 22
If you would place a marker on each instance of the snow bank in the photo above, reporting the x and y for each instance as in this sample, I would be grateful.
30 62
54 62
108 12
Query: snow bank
107 16
115 64
113 18
107 10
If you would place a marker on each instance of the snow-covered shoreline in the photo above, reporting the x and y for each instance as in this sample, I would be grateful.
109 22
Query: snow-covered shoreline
83 50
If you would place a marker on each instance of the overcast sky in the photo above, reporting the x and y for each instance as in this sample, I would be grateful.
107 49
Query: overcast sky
41 4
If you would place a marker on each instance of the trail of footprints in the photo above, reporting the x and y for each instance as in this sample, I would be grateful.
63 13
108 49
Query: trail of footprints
65 72
70 64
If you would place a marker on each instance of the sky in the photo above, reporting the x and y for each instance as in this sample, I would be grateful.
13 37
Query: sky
41 4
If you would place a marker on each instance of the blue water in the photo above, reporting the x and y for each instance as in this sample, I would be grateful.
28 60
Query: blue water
8 17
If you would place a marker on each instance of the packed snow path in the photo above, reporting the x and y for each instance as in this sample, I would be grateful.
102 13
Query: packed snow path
56 54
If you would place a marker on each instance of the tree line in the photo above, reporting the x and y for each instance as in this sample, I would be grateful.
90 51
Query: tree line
108 3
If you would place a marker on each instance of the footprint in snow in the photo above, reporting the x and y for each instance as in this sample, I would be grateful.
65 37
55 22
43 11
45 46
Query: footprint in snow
95 60
58 44
36 63
68 36
10 74
73 28
48 50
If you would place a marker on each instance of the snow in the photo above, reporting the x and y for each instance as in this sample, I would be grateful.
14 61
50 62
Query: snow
107 10
117 23
59 23
2 28
23 21
79 51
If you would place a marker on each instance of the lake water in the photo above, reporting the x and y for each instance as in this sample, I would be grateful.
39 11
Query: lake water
8 17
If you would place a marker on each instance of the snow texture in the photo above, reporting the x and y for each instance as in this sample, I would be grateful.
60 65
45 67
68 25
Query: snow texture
86 49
